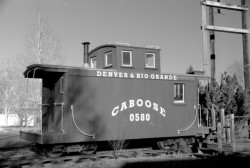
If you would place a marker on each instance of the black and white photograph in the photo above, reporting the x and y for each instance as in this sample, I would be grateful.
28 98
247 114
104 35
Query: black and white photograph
124 83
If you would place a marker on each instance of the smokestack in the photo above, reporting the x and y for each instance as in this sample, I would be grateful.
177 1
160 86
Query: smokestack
85 54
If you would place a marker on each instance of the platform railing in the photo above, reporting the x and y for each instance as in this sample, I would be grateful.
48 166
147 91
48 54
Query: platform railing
226 130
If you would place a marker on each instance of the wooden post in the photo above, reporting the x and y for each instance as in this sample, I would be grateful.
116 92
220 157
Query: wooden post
228 137
207 118
219 140
212 45
232 132
245 47
222 115
204 37
213 118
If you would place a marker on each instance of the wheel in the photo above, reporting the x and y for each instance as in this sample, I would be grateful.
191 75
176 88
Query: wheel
162 145
55 151
89 149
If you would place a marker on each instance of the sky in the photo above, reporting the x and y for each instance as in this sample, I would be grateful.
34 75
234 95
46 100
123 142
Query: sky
173 25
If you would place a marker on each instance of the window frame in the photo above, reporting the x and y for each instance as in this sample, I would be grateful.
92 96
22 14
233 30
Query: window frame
106 59
146 60
91 61
131 61
183 93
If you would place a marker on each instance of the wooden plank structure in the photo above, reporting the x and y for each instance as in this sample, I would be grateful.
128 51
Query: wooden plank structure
225 134
226 29
210 27
224 5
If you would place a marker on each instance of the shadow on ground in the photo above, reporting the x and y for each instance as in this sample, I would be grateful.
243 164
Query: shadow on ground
233 160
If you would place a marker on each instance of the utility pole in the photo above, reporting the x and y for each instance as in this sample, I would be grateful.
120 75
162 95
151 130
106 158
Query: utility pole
211 27
212 45
245 48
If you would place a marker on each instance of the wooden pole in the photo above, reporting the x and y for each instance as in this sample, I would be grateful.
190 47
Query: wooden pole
222 115
245 47
212 45
228 137
232 132
213 118
204 37
219 140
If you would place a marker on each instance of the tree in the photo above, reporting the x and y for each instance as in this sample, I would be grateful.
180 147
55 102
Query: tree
227 94
7 88
25 97
237 69
43 47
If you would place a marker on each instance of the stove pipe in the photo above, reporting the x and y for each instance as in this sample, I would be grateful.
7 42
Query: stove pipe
85 54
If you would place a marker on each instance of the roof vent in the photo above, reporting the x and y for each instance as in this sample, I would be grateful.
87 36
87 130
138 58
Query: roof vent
119 43
155 47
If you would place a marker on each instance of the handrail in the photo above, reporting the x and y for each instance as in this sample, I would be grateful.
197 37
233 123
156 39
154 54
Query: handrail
179 131
60 104
199 109
89 135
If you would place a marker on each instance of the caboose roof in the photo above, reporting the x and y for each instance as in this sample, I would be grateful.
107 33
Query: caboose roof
36 70
40 70
119 45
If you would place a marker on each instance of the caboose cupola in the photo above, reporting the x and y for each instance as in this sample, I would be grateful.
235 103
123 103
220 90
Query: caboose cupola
125 58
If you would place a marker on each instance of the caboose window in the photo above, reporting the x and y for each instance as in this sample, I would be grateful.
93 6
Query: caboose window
93 62
150 60
108 59
179 93
126 58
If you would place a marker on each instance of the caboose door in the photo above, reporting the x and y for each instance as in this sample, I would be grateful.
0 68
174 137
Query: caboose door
58 104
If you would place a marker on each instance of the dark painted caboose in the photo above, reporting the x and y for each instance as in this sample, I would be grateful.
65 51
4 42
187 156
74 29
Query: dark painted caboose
122 94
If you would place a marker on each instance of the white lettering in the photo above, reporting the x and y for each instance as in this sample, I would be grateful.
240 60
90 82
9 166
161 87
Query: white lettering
99 73
124 106
138 76
131 117
120 74
139 102
148 103
104 74
131 103
137 117
155 107
147 117
142 117
115 111
110 74
163 112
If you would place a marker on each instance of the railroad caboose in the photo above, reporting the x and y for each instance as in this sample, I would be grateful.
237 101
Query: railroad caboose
120 94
